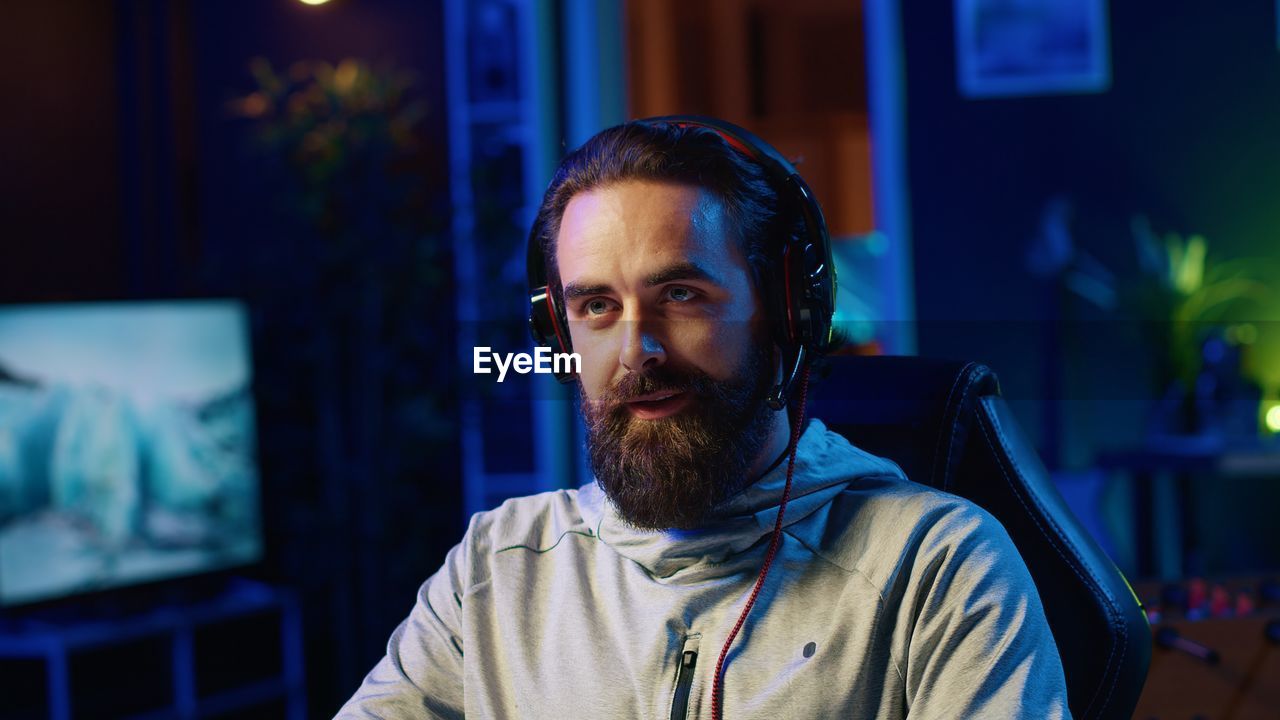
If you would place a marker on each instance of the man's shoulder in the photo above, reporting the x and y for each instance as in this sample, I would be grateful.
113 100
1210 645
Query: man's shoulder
885 524
536 521
880 501
907 505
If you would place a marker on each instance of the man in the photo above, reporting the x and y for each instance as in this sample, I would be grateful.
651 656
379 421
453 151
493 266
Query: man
883 598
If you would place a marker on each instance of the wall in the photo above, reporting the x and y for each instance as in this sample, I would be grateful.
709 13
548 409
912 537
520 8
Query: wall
58 174
1185 135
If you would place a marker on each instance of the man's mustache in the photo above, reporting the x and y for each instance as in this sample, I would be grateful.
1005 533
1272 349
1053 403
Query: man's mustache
661 379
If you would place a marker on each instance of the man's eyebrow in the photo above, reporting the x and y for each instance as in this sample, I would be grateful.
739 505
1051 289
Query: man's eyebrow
574 290
679 271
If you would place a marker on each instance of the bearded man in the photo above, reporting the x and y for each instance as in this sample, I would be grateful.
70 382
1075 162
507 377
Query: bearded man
629 597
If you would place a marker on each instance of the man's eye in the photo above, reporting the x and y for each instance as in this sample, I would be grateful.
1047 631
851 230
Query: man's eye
596 307
680 294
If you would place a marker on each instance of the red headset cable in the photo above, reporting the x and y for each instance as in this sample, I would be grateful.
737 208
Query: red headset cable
717 688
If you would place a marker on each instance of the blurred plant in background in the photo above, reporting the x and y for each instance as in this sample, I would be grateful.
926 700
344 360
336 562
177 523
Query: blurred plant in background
1213 324
1214 321
1201 298
349 138
351 284
371 244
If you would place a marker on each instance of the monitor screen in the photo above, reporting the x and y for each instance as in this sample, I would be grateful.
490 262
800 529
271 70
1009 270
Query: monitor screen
127 445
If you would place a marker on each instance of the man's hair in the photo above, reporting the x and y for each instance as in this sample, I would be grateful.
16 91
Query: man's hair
665 152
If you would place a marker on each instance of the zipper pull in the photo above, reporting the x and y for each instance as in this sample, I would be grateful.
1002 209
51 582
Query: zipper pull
684 682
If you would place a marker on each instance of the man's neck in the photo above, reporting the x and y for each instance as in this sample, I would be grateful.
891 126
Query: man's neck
776 444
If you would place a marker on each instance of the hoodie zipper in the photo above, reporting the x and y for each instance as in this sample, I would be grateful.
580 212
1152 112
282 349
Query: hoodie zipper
684 678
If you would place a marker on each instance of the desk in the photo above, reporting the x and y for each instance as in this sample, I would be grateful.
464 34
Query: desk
1243 682
1180 458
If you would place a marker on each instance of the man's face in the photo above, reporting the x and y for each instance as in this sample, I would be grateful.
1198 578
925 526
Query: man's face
675 352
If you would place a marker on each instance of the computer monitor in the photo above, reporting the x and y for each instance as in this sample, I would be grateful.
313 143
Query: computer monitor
127 445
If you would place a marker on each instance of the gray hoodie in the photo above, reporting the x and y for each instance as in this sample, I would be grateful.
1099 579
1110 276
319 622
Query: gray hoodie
886 599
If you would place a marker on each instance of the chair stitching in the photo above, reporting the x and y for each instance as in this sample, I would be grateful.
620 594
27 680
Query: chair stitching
942 428
1053 542
1115 677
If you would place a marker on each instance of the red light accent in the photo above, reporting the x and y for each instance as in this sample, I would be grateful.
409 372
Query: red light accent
734 142
565 346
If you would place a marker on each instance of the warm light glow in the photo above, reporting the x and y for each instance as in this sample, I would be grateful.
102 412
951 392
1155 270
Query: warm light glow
1273 418
313 2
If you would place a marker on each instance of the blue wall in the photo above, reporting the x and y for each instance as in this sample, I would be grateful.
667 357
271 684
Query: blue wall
1185 135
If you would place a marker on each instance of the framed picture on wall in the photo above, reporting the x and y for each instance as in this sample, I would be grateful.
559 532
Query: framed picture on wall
1010 48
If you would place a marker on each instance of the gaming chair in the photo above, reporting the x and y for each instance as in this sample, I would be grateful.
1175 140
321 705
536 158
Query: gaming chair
947 426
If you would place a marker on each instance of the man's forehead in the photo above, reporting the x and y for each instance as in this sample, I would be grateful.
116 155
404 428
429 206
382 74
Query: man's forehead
645 223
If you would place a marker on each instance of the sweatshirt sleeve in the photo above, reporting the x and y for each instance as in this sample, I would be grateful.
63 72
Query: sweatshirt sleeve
421 674
980 646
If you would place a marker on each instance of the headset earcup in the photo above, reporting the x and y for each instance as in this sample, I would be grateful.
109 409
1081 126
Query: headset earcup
546 324
812 270
815 286
803 280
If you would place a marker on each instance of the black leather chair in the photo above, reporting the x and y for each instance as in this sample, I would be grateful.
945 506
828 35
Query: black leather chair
948 427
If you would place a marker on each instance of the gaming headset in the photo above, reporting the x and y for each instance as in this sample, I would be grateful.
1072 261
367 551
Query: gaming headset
799 282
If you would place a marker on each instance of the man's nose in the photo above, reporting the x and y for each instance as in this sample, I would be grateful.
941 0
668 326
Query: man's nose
641 349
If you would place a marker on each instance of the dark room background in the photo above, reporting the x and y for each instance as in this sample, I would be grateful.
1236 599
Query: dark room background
148 151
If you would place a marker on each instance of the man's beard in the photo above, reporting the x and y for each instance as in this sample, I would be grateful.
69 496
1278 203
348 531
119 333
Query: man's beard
673 471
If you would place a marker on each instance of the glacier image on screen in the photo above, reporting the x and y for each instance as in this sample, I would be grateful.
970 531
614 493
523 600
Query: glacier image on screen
127 445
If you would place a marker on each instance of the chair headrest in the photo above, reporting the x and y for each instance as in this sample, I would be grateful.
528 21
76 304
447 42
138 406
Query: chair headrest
916 411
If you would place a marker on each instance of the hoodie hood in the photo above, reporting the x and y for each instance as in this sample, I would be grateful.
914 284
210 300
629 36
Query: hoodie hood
826 464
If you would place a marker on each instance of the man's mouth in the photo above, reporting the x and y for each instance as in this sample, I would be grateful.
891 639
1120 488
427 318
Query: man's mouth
656 405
